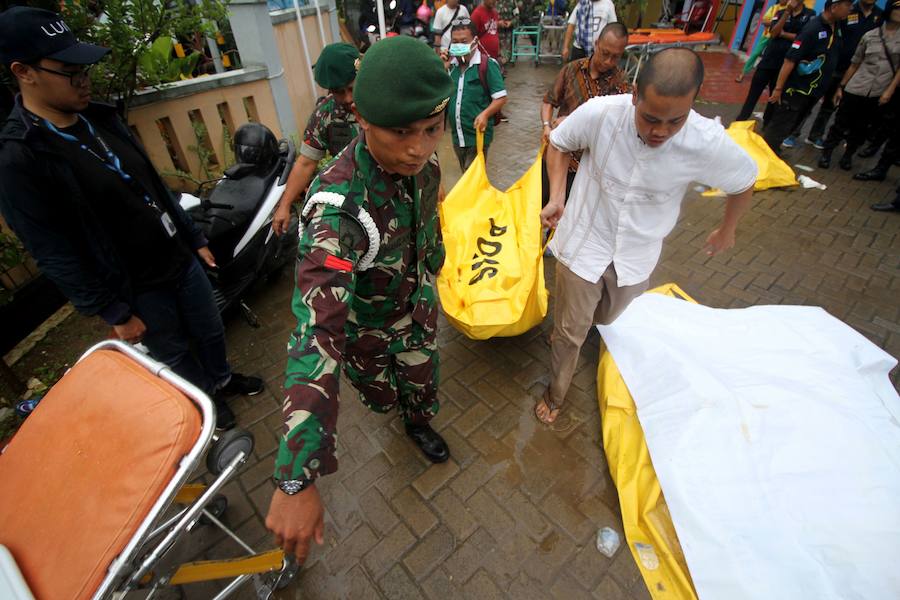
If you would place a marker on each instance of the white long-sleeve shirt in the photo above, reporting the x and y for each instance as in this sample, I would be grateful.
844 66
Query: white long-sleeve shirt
627 195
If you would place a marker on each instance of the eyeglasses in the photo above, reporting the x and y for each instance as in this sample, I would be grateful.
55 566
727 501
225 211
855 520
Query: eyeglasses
76 78
461 21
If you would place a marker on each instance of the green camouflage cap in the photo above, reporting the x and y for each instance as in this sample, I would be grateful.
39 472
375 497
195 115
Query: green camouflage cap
400 80
336 66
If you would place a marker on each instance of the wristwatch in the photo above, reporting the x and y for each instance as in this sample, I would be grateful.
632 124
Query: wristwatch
546 123
293 486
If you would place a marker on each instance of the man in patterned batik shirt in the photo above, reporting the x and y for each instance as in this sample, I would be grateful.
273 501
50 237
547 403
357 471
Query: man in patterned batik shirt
578 82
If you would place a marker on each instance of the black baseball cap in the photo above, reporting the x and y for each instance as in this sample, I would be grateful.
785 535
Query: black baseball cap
30 34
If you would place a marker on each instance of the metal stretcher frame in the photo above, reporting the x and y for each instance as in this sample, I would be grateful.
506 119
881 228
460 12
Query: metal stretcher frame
154 535
197 498
187 465
552 29
637 54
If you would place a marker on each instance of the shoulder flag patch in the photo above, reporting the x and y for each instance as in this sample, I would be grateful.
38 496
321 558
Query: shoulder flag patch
796 44
338 264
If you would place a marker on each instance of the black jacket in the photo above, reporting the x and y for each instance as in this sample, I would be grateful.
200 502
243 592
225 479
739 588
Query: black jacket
44 204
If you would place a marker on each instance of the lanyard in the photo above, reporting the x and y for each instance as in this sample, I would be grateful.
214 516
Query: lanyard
111 162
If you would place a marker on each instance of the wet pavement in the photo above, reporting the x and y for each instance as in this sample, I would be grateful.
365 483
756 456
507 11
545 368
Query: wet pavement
515 512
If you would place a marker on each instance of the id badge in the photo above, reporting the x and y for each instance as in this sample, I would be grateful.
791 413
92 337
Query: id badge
168 224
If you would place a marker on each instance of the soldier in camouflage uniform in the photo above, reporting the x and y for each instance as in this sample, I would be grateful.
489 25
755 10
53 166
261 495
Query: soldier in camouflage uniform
329 129
509 13
370 251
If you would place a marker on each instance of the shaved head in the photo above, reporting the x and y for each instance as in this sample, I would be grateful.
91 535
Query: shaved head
674 72
614 30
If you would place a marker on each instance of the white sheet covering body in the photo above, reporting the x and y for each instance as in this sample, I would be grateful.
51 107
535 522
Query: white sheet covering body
775 434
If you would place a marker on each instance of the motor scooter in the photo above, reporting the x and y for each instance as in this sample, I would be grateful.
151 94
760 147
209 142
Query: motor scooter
235 213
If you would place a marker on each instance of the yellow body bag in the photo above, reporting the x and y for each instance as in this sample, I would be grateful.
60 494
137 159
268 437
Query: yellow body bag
773 172
645 516
492 281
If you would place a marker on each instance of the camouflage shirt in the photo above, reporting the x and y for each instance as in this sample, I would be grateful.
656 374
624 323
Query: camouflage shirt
334 298
508 11
330 128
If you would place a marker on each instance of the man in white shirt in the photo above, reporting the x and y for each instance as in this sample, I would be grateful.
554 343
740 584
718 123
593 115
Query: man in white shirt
587 20
641 152
443 22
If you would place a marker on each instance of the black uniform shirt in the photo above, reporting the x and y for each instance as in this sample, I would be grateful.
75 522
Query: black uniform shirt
856 25
815 52
773 56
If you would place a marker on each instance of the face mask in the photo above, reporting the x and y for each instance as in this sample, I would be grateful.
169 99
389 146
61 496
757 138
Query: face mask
460 49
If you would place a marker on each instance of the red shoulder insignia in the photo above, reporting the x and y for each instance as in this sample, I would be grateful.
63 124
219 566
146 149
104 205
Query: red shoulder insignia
338 264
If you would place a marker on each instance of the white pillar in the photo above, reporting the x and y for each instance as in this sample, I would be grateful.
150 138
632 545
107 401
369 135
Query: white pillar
255 39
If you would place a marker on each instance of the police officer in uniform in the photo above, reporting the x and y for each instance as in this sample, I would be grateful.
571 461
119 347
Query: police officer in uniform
365 300
806 72
331 126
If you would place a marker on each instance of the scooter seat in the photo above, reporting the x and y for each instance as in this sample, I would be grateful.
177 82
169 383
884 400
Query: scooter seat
242 191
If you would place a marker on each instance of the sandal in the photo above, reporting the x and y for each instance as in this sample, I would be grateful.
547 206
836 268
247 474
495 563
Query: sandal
560 423
551 408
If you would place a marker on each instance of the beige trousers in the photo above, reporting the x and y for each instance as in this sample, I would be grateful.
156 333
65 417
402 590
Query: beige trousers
580 304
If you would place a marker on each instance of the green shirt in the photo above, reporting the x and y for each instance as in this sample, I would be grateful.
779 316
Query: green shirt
470 98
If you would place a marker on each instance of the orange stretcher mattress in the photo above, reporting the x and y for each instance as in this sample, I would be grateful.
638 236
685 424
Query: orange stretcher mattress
669 36
86 468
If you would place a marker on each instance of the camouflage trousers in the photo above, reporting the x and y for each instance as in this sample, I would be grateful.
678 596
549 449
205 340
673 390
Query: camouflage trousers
396 366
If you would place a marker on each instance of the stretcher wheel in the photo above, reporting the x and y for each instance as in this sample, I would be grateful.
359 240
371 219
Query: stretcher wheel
216 507
226 447
283 578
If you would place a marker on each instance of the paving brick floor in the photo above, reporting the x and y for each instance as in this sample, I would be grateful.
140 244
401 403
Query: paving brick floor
514 513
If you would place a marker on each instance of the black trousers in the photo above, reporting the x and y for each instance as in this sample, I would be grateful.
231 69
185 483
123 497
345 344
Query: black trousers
886 127
881 127
762 79
851 122
784 118
825 110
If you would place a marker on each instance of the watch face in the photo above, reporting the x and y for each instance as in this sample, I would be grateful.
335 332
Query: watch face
290 487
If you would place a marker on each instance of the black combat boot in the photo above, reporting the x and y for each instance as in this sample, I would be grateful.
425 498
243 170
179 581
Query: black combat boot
429 442
876 173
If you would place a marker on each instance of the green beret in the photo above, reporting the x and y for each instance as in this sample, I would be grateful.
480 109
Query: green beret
336 66
400 80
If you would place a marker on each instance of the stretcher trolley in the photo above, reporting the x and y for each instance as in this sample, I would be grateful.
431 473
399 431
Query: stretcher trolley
95 492
643 43
553 30
531 35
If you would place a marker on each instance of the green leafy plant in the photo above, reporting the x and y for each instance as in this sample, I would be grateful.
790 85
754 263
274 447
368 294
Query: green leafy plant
199 148
160 62
12 253
204 154
131 28
227 148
